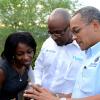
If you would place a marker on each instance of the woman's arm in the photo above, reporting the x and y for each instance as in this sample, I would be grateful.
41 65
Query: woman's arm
2 77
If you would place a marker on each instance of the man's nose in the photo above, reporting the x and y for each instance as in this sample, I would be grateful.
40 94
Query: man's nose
55 37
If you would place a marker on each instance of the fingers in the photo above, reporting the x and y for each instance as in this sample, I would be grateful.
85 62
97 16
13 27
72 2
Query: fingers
37 88
31 96
32 93
28 91
35 92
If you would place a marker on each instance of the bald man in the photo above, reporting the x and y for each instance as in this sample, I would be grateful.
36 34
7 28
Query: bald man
60 58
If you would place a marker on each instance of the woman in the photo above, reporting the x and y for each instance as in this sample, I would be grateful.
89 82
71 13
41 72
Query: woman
16 58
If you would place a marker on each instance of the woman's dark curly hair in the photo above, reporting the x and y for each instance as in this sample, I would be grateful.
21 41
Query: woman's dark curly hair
13 40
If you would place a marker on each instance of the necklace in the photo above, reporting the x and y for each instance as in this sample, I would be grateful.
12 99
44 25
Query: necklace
20 79
19 71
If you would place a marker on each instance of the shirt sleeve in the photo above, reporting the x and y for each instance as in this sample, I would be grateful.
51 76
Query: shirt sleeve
31 74
38 69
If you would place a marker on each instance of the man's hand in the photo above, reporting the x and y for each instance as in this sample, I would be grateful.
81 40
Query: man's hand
39 93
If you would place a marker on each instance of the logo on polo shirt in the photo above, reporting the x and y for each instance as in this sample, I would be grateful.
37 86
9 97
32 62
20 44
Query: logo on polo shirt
97 59
95 62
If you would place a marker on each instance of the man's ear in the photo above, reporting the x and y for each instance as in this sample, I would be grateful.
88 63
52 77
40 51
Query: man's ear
96 25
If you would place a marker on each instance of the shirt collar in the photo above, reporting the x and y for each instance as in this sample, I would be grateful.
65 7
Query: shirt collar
93 50
75 43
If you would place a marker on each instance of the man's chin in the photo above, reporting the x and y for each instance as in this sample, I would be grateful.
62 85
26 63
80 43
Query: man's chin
68 42
60 44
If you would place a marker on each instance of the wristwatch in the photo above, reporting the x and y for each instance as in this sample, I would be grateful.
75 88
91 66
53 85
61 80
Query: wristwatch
63 98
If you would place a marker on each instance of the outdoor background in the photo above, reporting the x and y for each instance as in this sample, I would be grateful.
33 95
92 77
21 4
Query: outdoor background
29 15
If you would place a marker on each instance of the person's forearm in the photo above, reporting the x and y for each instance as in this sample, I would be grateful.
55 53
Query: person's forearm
60 95
96 97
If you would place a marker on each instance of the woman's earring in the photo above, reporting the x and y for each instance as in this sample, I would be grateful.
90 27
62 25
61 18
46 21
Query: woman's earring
13 57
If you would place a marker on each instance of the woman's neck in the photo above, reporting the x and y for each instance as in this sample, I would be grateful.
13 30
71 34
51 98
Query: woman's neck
19 69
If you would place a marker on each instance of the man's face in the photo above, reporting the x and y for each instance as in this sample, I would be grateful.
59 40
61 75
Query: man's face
82 32
60 32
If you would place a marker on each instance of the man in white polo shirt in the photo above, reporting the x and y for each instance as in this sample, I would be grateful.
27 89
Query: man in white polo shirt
60 58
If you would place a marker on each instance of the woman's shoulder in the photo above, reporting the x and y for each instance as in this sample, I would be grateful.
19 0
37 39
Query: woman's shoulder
3 64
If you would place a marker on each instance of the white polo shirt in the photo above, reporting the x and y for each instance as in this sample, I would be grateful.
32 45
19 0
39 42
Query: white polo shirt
57 66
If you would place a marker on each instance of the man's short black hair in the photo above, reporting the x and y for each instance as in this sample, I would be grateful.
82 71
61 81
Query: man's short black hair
88 14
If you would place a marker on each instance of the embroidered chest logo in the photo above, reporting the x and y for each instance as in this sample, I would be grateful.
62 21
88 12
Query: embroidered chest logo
95 62
97 59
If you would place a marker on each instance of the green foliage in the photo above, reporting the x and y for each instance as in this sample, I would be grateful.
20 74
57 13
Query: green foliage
4 32
28 15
